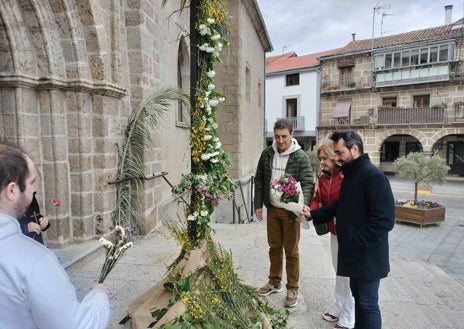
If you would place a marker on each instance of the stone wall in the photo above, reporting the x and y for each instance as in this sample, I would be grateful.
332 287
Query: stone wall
69 79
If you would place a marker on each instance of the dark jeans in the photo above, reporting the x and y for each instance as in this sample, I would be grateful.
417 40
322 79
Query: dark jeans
366 303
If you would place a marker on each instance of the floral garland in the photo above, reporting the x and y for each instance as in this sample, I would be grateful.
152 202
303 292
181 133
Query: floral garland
210 183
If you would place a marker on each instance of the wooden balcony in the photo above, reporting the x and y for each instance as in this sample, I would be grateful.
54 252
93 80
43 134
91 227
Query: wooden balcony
408 116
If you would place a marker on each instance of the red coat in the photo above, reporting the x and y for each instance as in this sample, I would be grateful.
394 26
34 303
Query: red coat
328 190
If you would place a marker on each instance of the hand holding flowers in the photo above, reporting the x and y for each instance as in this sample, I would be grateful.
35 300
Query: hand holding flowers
286 193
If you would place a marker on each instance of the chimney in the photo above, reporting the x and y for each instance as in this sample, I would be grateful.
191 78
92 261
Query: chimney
448 14
353 35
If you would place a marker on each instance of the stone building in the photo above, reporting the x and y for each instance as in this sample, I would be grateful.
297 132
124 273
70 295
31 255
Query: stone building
402 93
72 71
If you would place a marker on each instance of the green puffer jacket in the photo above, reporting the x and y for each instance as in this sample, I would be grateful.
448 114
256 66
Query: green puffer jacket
298 166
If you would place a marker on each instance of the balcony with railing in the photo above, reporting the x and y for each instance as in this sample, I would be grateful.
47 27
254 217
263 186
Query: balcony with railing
346 84
398 116
407 116
298 124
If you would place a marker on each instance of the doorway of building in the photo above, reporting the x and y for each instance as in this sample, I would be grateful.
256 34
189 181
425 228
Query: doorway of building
455 158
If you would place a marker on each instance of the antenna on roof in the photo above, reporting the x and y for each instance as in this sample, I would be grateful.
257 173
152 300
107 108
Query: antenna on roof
376 10
381 22
284 48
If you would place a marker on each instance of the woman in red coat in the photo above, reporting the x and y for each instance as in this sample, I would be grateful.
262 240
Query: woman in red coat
328 189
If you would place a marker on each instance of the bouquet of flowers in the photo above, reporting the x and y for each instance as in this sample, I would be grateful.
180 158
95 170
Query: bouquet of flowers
286 193
115 251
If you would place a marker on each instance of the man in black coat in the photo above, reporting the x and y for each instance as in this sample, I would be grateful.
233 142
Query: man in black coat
365 213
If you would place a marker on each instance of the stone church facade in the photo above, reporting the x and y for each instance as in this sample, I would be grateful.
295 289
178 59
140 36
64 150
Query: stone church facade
72 71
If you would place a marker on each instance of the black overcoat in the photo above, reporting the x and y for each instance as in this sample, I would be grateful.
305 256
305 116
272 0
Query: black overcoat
365 213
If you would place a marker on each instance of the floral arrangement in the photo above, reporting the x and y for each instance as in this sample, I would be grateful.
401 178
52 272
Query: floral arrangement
423 204
115 251
209 182
212 295
287 187
286 193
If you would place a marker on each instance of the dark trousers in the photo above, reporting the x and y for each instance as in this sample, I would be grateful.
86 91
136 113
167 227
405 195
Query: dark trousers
366 303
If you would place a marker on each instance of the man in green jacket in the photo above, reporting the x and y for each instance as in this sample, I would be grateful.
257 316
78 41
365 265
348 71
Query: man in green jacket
284 156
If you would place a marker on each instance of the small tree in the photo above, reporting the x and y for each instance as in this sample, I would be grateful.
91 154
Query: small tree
422 169
315 162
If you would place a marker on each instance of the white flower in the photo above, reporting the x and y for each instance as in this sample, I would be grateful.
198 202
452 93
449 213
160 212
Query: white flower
210 49
211 74
203 213
202 29
204 47
215 36
211 86
210 20
222 99
208 137
215 54
218 46
191 218
218 145
106 243
213 102
215 160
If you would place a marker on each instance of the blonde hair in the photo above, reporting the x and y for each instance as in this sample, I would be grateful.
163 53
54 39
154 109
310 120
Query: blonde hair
326 149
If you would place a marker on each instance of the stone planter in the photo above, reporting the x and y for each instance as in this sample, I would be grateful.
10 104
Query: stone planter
420 216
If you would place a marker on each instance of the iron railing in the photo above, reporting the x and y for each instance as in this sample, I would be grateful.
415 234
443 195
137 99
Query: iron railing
242 203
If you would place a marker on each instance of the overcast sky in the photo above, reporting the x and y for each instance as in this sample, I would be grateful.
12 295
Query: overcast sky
312 26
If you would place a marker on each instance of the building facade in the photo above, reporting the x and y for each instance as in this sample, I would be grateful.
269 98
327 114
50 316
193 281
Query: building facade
293 92
71 72
402 93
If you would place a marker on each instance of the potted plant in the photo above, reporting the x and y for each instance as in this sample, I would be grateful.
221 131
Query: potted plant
421 169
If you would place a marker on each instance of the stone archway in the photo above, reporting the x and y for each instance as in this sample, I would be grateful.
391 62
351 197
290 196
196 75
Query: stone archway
49 97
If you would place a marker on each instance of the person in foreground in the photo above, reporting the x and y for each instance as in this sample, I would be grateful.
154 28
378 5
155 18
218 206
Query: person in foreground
284 156
365 214
327 192
35 291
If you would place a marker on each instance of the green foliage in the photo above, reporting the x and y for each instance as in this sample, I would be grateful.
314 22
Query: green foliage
216 298
315 163
138 137
422 169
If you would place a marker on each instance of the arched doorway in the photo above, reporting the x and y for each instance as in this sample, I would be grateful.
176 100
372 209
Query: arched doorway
394 147
451 148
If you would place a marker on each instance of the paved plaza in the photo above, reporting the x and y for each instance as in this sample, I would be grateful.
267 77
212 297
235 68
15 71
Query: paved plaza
425 288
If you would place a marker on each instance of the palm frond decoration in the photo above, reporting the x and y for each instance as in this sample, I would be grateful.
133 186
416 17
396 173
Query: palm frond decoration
182 5
137 138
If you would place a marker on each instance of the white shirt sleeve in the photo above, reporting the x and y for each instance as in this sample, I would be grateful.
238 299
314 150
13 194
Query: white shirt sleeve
53 300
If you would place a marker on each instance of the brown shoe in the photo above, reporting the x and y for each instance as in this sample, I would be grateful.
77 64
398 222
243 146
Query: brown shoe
292 298
268 289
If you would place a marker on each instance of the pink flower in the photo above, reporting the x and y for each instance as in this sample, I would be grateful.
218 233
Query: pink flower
56 202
